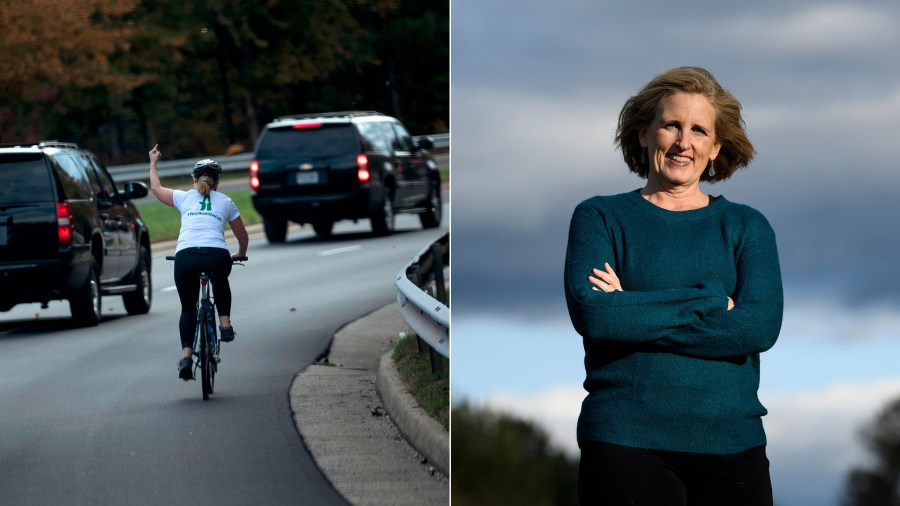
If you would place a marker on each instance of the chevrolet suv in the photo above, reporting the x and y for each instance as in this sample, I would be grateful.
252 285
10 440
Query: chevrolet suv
68 233
320 168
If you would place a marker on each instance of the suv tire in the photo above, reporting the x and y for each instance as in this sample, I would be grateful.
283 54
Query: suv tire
276 230
138 301
383 218
431 217
86 302
323 228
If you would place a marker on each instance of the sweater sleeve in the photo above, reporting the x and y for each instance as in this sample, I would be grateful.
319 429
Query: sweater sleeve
629 317
752 326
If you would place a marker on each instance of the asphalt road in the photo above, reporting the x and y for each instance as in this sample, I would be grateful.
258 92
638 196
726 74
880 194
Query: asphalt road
98 415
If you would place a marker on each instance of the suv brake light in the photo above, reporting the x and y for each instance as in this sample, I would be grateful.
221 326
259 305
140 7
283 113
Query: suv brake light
254 175
298 126
362 161
65 227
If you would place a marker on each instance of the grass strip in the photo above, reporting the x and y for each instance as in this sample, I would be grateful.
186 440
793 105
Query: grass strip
431 390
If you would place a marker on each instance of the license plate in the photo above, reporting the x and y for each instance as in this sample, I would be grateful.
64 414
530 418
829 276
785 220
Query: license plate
307 178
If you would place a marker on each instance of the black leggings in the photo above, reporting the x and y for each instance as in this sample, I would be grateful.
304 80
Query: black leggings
188 265
612 475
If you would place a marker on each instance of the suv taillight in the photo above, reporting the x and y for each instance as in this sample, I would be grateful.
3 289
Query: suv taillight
362 162
254 175
65 227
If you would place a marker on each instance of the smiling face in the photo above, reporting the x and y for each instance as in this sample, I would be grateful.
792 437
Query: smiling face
680 141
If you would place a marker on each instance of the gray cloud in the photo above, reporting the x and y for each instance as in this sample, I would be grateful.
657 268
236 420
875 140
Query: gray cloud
566 45
536 90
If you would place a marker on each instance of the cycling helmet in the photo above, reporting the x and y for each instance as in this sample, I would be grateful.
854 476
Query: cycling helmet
207 165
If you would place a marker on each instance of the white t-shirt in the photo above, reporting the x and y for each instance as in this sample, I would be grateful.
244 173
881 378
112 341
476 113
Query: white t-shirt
203 219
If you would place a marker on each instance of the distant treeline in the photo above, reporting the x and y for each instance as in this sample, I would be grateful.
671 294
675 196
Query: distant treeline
499 459
202 77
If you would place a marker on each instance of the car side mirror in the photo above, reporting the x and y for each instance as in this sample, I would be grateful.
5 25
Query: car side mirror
135 190
425 143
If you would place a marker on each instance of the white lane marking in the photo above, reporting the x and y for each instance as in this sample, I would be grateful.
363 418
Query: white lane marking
339 250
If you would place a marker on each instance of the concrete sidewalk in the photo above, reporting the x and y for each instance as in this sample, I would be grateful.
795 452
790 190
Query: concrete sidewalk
353 435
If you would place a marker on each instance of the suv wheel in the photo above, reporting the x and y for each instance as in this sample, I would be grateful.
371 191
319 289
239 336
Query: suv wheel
276 230
383 218
138 301
431 217
323 228
85 303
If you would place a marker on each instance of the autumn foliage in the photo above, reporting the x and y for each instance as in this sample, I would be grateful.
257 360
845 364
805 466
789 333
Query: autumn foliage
202 77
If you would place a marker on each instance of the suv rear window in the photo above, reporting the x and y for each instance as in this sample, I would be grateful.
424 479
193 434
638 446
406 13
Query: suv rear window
318 142
25 179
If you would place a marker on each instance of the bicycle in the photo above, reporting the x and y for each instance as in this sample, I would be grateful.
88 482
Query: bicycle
206 338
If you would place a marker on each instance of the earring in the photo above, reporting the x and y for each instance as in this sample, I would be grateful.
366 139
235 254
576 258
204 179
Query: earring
712 170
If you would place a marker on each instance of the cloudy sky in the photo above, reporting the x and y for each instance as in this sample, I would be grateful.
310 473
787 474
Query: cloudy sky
536 91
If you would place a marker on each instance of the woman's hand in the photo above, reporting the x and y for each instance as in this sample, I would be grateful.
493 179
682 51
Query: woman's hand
165 195
606 281
154 155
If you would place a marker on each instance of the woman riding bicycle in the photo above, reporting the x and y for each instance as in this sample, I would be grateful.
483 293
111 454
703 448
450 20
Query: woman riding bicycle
201 247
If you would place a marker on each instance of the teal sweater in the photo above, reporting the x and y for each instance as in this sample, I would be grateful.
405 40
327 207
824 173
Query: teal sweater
669 367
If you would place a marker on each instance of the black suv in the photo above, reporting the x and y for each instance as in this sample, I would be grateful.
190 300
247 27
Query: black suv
321 168
67 232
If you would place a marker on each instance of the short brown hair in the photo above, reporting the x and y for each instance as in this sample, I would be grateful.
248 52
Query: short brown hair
640 109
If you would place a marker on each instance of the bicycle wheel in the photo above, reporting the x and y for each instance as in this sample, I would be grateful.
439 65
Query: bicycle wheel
205 354
213 353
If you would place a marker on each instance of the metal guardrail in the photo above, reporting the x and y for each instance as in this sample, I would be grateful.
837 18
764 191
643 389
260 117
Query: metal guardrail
441 141
174 168
427 316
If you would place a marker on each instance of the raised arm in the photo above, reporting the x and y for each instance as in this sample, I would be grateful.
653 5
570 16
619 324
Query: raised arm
161 192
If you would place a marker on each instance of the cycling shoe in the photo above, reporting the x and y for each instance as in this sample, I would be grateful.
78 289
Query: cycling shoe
184 369
227 333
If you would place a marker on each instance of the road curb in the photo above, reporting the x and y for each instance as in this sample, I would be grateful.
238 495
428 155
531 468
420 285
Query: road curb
368 438
422 431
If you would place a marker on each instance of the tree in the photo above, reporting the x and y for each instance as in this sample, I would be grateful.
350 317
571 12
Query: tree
498 459
55 63
236 65
202 76
878 484
408 75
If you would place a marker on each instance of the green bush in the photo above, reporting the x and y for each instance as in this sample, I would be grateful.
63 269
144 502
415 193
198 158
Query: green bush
499 459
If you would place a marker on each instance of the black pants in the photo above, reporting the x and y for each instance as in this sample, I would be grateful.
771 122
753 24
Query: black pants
216 262
613 475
